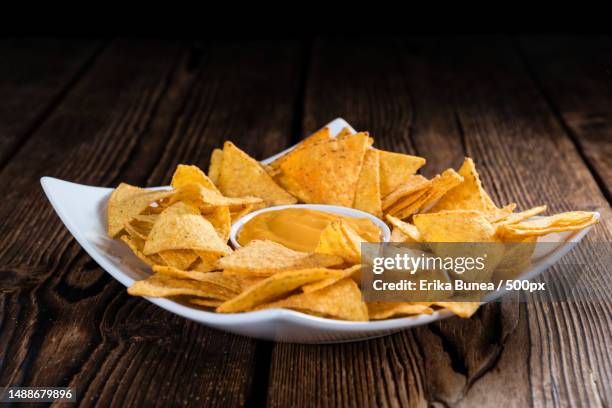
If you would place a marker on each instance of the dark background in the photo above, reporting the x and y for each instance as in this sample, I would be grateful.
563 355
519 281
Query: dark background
535 112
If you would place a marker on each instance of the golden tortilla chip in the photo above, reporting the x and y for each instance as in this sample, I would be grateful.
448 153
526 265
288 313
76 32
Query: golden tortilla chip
520 216
398 236
454 226
325 172
137 234
238 214
263 258
178 258
231 283
212 303
354 272
452 234
395 169
184 274
501 213
409 203
439 186
189 174
367 196
411 232
470 195
214 168
165 286
275 287
345 131
149 260
140 226
208 262
461 309
221 220
567 221
206 199
340 240
241 175
412 185
342 300
126 202
319 135
179 227
386 310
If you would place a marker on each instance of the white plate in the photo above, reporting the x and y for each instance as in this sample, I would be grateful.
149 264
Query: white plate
83 210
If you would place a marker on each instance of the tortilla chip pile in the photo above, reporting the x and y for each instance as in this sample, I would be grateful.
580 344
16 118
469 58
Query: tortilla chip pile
183 232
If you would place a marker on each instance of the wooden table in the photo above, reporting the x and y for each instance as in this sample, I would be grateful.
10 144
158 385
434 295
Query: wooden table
535 114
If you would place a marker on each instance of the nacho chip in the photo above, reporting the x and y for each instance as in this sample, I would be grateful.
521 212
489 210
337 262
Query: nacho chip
325 172
470 195
409 204
411 232
412 185
275 287
319 135
396 168
461 309
501 213
520 216
452 234
214 168
229 283
165 286
206 198
188 174
454 226
398 236
340 240
345 131
140 226
178 258
568 221
342 300
184 274
137 234
211 303
354 272
241 175
439 186
126 202
178 227
263 258
221 220
238 214
386 310
208 262
367 196
149 260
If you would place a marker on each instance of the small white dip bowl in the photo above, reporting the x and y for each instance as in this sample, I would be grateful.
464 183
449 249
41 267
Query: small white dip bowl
335 209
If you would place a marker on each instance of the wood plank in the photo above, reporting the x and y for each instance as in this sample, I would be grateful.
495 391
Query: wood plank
34 75
574 74
143 108
444 99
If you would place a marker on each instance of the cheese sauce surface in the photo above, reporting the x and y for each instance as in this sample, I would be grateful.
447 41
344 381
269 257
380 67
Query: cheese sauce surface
300 228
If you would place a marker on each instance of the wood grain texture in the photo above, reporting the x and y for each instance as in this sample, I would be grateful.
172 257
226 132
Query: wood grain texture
575 75
445 99
34 75
142 108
